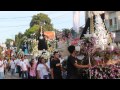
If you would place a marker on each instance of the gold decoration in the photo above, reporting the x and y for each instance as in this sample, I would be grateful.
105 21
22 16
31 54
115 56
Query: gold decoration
91 24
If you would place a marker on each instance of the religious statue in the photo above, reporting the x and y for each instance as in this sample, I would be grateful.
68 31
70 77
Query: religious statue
20 53
25 47
95 24
35 51
42 43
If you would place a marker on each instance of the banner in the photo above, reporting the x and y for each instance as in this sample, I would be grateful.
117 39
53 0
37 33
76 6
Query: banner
76 21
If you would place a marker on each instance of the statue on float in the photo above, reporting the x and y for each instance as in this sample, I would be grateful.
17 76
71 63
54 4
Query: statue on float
35 51
20 53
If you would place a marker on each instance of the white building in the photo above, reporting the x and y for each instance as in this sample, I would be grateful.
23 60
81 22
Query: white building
112 22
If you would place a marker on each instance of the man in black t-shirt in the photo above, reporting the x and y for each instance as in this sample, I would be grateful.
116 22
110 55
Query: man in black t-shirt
56 67
72 65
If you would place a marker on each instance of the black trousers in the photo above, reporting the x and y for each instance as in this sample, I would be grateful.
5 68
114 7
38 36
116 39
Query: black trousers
19 71
32 77
57 77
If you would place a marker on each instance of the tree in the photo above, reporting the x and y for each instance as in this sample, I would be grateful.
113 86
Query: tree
37 19
35 24
66 32
19 39
34 28
8 41
31 30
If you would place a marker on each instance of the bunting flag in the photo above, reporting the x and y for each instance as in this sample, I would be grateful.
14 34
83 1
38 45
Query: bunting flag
76 21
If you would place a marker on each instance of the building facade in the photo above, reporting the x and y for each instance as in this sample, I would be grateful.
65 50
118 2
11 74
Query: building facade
112 22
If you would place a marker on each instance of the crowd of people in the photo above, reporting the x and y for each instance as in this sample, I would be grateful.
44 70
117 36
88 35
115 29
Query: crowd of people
40 68
55 68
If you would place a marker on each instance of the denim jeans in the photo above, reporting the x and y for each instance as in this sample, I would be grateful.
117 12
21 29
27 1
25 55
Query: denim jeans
46 76
32 77
24 74
19 71
12 71
1 75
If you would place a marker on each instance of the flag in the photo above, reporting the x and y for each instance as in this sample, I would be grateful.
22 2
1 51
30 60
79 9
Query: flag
76 21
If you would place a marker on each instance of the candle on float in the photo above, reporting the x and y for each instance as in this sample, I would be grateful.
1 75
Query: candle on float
113 35
112 47
103 48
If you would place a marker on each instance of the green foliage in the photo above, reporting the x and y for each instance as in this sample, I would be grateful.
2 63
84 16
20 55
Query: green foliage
32 30
35 24
66 32
8 42
37 19
19 39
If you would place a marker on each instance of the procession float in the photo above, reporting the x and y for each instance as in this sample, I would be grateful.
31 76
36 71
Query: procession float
96 47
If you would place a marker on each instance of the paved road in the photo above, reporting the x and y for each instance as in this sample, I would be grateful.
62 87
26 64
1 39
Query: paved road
8 76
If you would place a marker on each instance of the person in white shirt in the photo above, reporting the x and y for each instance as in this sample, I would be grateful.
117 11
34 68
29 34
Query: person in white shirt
42 69
13 66
27 63
1 69
24 68
26 60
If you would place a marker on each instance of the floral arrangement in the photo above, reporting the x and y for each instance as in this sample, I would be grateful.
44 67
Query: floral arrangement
88 44
89 47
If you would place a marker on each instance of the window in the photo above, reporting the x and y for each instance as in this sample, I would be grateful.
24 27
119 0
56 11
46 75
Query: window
110 22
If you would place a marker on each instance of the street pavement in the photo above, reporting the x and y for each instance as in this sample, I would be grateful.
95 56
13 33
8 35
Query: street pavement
8 76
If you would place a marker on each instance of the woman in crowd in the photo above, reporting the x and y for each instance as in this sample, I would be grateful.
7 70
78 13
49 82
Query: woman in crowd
32 72
42 69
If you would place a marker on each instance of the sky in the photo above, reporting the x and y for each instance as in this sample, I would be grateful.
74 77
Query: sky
13 22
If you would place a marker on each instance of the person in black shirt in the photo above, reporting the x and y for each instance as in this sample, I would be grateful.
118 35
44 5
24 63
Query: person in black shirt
56 67
72 65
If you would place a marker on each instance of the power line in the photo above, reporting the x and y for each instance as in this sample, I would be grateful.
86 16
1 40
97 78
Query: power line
31 17
16 17
12 26
60 16
24 16
27 25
